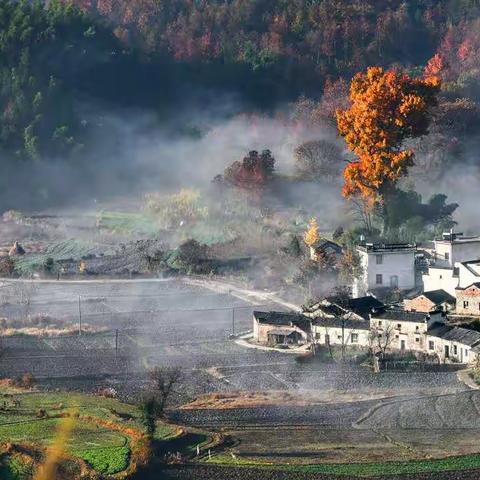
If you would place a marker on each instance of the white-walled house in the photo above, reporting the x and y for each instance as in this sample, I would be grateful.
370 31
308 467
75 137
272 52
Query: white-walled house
450 343
440 278
455 247
404 330
341 331
456 263
385 266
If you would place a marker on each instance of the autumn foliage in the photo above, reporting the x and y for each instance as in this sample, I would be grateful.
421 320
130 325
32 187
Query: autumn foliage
252 172
387 107
312 235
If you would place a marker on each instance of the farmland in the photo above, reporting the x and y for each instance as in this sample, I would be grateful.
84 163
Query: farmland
105 436
335 416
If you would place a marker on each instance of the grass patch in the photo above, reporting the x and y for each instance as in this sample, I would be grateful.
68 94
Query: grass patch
67 249
123 222
464 462
105 444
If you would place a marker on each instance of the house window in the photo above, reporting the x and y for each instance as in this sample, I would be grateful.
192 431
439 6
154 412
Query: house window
440 277
380 322
417 340
447 256
399 326
431 345
397 336
379 279
317 336
466 353
339 337
417 328
455 349
465 304
379 259
354 337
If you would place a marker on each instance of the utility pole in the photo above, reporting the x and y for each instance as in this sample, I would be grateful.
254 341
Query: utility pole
116 342
233 320
79 315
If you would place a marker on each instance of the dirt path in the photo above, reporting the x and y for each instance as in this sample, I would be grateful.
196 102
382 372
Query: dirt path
247 295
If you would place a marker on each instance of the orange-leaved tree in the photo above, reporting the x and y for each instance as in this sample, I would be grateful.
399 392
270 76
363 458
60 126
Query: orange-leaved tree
387 107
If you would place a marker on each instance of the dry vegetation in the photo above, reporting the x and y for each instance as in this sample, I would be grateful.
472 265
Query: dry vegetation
227 400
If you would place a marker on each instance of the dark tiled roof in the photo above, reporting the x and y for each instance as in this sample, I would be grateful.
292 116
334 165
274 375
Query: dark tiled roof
363 306
283 319
477 284
455 334
401 316
326 309
387 247
324 244
439 296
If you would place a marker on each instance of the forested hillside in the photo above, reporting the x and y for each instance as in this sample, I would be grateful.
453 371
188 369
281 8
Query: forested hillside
61 60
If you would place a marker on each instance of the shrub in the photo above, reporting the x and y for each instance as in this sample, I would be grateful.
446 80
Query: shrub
28 380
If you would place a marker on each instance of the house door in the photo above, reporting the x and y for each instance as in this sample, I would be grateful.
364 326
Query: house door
394 281
447 351
327 339
402 345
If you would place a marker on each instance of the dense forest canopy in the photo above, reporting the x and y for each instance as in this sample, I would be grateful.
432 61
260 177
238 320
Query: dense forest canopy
295 56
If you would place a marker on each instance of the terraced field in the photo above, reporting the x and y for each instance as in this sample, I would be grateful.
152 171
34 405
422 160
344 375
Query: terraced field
105 436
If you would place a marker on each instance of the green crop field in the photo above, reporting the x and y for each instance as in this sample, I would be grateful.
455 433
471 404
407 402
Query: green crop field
67 249
456 463
100 436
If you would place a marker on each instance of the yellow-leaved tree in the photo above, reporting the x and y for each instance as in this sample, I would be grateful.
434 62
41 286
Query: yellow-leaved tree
311 235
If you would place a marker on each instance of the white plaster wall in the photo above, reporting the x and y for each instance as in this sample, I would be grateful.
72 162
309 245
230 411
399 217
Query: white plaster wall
464 353
458 252
335 334
440 279
408 331
401 264
466 277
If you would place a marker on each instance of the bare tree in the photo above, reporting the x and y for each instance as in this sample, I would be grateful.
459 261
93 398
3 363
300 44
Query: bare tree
318 160
163 382
380 339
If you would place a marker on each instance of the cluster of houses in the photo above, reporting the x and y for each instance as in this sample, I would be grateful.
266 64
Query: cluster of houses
440 287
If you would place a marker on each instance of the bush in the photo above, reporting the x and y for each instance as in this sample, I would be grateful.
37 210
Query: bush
28 380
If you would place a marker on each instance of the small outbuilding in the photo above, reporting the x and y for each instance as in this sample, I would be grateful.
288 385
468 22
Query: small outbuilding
430 302
281 328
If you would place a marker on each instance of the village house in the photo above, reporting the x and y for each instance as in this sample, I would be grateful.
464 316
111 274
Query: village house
430 302
341 331
468 300
455 262
353 308
281 328
385 266
325 249
402 330
456 344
